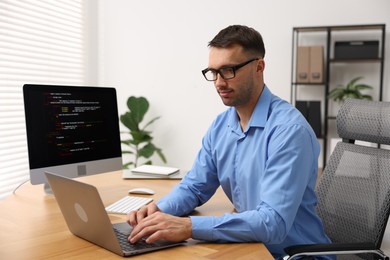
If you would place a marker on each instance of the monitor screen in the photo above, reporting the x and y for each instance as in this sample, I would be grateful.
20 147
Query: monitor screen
71 131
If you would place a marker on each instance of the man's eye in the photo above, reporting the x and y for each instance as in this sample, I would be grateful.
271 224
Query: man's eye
226 71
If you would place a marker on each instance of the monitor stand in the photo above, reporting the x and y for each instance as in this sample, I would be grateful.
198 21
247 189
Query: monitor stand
48 189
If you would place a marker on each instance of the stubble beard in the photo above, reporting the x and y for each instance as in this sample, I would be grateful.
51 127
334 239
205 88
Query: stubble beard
242 98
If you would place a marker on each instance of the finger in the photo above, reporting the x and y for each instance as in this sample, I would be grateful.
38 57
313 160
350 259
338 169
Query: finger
155 236
141 214
136 230
152 207
142 224
144 232
132 218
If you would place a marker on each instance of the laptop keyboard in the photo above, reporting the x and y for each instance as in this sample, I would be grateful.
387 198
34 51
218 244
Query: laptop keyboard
127 204
127 246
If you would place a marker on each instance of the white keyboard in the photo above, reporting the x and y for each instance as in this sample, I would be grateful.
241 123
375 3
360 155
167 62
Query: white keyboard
126 204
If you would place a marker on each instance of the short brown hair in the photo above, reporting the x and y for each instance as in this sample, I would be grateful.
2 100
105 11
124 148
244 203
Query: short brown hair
247 37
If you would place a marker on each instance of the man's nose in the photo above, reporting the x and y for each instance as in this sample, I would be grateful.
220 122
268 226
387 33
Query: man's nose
220 81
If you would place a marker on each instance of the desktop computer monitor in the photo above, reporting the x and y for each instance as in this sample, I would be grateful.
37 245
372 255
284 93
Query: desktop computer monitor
71 131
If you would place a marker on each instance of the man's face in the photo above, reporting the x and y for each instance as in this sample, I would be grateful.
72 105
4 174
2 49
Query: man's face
238 91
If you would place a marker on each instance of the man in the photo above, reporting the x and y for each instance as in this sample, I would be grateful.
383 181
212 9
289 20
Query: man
260 150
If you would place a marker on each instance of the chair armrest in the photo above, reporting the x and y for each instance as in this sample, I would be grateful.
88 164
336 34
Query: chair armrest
333 249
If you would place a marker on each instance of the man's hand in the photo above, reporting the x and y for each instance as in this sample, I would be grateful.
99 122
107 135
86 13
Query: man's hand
134 217
159 225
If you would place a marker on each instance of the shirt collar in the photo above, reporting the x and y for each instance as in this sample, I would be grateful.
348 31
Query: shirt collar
259 115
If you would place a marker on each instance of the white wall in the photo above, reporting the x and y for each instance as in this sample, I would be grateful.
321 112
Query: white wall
157 49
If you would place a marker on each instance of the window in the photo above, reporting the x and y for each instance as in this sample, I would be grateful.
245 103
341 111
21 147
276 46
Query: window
41 42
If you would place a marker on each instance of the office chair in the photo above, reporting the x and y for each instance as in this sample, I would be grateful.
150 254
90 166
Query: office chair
354 189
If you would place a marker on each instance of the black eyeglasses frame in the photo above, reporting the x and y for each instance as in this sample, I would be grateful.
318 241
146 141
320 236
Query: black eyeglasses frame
233 68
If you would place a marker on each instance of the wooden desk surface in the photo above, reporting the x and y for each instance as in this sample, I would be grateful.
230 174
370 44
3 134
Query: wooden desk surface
32 226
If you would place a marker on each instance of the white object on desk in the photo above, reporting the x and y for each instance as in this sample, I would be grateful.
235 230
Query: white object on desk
145 191
128 174
155 170
127 204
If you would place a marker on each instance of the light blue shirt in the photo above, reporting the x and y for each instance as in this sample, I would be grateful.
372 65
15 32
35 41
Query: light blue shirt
268 172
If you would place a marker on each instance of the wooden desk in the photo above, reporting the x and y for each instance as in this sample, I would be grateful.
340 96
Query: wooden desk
32 226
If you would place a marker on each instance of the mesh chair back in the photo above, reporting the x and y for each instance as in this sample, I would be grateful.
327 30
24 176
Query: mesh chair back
354 190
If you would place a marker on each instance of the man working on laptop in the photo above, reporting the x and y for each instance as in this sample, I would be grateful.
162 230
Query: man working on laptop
260 150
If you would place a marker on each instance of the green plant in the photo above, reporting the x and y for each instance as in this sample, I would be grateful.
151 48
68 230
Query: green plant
351 90
140 142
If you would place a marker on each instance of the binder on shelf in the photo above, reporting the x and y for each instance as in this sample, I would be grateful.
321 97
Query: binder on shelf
311 110
314 117
316 66
303 60
302 107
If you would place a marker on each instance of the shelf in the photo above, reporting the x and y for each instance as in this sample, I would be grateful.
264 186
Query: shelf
308 83
355 60
357 27
339 28
311 29
328 36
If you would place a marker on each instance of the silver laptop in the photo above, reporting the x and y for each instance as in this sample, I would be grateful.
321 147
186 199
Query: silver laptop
87 218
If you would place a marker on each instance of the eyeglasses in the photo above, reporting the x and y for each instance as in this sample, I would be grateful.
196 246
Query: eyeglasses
226 72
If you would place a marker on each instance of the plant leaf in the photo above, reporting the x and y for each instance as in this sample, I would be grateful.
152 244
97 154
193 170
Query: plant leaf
351 95
126 142
147 151
368 97
128 120
351 84
336 94
126 165
362 87
138 107
140 137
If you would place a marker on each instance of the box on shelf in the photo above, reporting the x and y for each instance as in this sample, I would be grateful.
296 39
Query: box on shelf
303 61
316 69
356 50
310 64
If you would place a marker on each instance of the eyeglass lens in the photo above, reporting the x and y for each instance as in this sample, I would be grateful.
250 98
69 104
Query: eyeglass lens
225 73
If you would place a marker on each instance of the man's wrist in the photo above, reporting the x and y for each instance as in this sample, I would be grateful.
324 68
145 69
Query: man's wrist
188 226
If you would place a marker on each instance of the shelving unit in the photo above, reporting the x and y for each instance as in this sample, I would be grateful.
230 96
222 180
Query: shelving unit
335 69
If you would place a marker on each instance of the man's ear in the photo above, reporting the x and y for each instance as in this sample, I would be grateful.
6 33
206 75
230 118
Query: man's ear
260 65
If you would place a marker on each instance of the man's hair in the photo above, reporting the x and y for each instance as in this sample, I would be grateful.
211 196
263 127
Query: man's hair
247 37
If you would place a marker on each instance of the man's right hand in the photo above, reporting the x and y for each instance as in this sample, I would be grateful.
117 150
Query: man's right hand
134 217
